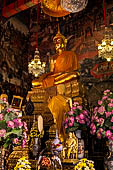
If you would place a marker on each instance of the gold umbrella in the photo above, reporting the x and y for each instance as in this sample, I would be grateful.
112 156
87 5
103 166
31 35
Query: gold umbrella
53 8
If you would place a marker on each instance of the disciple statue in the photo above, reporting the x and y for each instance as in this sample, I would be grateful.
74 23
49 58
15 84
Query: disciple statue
62 65
58 105
71 146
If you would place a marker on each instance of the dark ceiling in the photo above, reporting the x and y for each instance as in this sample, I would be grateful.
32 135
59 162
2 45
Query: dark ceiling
24 16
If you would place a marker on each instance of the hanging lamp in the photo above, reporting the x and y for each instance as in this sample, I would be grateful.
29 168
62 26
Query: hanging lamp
105 49
35 66
74 5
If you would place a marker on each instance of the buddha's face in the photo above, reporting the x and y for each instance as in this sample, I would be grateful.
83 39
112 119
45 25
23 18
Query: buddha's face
59 45
70 135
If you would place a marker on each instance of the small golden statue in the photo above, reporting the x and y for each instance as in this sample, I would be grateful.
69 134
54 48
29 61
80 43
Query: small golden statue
63 65
70 149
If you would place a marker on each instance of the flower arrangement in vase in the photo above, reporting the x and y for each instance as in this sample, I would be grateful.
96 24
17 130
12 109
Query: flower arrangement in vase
23 163
85 164
102 117
77 118
13 131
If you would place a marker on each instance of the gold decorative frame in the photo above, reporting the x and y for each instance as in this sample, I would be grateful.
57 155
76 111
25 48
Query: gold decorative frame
17 102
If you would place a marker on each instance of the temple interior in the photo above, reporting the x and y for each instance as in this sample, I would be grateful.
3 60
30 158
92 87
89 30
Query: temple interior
56 91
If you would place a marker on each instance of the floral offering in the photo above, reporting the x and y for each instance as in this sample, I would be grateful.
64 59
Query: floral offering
12 128
102 117
77 118
46 162
85 164
22 163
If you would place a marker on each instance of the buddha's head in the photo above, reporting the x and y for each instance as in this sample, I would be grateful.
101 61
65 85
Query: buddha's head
60 42
70 134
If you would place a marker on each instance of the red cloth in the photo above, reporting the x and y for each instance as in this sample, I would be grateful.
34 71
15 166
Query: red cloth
17 6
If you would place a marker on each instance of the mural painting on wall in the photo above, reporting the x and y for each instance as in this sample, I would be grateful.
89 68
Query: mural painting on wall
13 49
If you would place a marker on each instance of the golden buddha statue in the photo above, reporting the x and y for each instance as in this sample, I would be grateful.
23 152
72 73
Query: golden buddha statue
62 65
71 146
58 105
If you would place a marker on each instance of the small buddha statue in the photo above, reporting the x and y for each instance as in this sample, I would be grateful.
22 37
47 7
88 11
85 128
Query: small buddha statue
63 65
71 146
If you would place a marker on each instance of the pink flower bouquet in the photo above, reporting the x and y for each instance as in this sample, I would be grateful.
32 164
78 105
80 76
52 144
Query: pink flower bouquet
77 118
102 117
12 128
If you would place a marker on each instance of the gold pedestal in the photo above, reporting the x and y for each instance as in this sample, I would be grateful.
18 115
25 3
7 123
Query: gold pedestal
16 155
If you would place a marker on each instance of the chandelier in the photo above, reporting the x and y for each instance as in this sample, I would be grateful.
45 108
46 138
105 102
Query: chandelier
105 49
74 5
35 66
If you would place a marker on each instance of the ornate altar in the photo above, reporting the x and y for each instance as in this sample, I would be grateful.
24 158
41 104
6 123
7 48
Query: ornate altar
17 153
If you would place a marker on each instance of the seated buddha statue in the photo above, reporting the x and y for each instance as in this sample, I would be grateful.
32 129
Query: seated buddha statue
62 65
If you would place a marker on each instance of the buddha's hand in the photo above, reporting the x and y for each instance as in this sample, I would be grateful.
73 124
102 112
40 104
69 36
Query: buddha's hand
70 102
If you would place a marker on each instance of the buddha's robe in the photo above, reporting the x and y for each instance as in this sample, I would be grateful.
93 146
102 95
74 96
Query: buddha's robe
64 68
58 106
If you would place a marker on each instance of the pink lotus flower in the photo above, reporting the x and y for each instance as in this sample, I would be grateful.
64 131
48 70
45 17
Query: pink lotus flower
82 116
73 108
71 112
111 100
2 132
101 121
85 112
76 103
66 120
112 119
18 122
10 124
81 121
1 116
66 126
95 110
15 141
108 133
106 91
101 109
110 105
79 107
71 124
93 126
107 114
100 102
72 119
105 97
